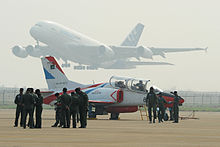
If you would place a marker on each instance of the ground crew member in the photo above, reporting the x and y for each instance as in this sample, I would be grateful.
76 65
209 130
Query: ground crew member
39 108
161 112
65 107
19 108
34 97
28 105
176 107
58 111
74 108
83 107
151 102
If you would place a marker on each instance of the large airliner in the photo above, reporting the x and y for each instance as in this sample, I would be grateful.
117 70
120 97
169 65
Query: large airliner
70 45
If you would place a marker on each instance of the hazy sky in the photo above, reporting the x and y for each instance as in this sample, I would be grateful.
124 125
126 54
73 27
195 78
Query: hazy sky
168 23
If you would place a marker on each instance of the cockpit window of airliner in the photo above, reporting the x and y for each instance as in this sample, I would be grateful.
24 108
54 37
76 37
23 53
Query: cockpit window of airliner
38 25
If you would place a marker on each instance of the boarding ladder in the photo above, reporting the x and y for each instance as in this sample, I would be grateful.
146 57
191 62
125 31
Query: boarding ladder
143 112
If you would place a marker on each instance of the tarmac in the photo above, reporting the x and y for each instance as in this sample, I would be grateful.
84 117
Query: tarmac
129 131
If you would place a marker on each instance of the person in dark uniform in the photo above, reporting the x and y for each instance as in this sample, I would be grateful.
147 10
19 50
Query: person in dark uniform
151 102
65 107
83 107
28 105
38 108
58 115
176 107
34 97
161 112
19 108
171 113
74 108
140 86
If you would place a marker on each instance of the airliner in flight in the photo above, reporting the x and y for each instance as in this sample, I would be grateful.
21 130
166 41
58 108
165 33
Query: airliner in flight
69 45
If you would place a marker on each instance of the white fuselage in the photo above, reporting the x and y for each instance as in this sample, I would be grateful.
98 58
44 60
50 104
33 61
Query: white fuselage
70 44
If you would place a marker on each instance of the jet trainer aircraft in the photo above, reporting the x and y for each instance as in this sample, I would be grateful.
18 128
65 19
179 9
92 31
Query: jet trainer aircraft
70 45
119 95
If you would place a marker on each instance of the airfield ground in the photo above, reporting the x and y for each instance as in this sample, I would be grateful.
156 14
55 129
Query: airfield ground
129 131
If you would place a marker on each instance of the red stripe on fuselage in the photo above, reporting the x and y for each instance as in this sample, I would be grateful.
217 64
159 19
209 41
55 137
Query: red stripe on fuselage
49 99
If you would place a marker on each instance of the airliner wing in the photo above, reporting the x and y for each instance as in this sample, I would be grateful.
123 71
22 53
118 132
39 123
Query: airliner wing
161 51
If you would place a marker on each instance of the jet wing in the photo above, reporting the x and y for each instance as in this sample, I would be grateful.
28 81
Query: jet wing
162 51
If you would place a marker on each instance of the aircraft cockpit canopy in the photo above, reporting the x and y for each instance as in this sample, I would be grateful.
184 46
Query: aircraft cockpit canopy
132 84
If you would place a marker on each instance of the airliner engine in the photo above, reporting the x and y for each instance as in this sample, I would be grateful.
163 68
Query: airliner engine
144 52
106 51
19 51
33 51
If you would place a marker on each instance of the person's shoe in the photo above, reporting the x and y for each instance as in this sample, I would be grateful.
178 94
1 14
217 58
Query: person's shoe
59 126
15 125
24 127
54 126
150 122
175 122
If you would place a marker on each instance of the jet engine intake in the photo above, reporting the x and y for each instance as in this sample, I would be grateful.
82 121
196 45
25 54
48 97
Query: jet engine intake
105 51
19 51
33 51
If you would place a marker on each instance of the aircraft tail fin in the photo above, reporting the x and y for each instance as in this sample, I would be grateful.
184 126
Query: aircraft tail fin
133 37
55 77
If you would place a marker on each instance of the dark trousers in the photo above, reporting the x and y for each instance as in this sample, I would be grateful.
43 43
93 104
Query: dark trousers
66 117
32 117
171 113
161 113
30 113
150 112
176 113
38 113
73 114
58 117
83 118
19 110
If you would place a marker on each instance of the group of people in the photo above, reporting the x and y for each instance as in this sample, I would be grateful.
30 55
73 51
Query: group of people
67 106
74 105
27 104
153 102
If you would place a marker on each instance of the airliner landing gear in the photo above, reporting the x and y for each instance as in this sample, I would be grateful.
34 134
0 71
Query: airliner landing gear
114 116
66 65
80 67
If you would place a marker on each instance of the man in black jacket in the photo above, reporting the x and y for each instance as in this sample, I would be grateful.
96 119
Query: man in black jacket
19 108
28 105
65 107
152 103
38 108
74 108
83 107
